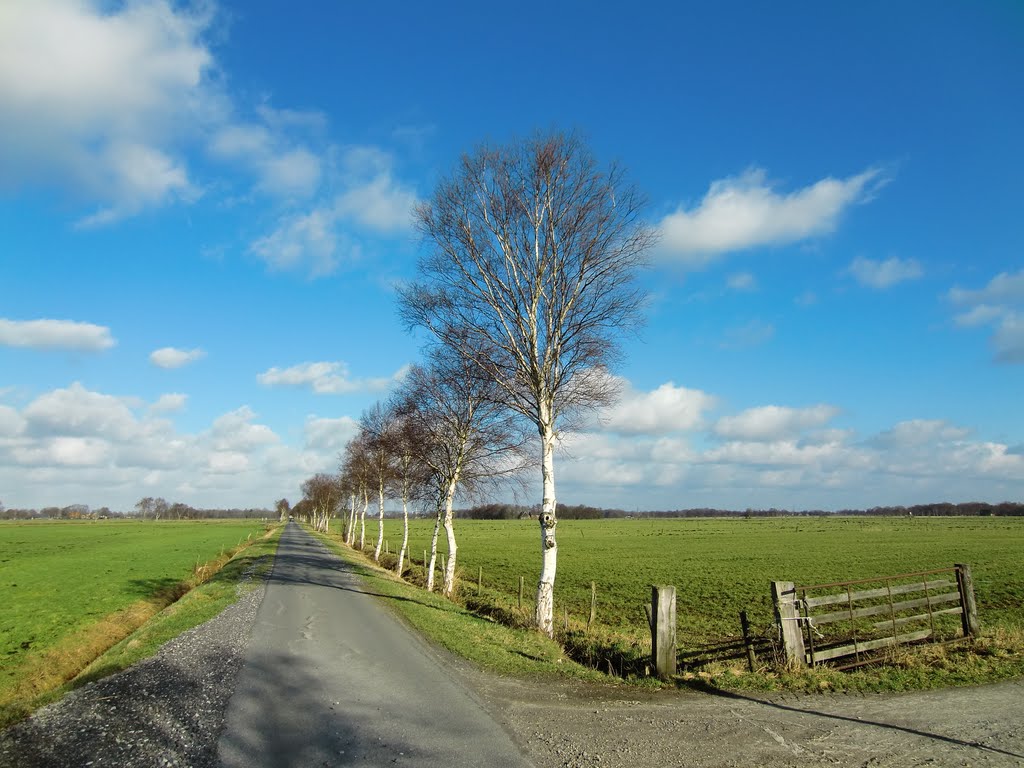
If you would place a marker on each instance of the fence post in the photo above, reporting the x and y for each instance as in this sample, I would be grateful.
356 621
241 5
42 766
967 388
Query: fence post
593 605
788 618
747 642
520 593
480 581
663 631
971 625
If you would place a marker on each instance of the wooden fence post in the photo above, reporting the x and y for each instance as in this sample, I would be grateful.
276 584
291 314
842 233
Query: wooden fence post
747 642
521 593
480 581
663 631
788 618
593 605
969 617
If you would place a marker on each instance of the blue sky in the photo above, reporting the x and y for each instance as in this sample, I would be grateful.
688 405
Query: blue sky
204 210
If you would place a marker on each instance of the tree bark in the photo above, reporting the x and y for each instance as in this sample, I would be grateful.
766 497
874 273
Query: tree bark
380 522
544 615
448 588
433 548
362 520
405 535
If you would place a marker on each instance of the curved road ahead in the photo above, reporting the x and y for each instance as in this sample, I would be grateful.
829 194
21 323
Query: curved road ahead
332 678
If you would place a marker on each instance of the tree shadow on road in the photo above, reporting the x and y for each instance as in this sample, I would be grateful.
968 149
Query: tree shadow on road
703 687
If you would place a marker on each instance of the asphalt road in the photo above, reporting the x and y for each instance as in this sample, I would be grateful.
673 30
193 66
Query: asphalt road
330 677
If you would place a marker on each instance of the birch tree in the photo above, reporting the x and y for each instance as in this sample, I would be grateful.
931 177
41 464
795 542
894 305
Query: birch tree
378 428
533 253
324 493
464 439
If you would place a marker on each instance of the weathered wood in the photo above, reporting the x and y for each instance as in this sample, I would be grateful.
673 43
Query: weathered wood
869 645
875 610
663 631
869 594
480 581
788 618
903 620
971 625
522 582
593 605
747 643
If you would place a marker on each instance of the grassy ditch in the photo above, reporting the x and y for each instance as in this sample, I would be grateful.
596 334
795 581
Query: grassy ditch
722 567
181 596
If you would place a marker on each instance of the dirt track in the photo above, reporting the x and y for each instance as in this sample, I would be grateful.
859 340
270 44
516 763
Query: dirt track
573 725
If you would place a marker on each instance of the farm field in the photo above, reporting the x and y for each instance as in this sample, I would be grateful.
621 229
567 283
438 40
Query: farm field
58 579
722 566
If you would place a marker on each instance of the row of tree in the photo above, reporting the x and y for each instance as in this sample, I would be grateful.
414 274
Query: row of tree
527 285
148 508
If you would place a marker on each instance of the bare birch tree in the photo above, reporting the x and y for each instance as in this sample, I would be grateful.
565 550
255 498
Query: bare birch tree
378 427
324 493
464 440
534 252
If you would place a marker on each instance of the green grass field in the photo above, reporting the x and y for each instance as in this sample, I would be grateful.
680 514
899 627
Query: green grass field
58 580
723 566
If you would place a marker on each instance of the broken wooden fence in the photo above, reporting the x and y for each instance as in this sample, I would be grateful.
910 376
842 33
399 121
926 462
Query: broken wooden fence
834 622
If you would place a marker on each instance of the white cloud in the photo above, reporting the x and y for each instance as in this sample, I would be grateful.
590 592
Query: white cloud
55 334
169 403
283 169
93 98
666 409
327 378
303 242
774 422
76 411
171 357
235 431
1001 305
381 205
746 211
884 274
918 432
330 435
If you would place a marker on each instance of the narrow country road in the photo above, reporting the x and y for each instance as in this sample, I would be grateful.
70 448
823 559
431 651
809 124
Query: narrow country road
331 678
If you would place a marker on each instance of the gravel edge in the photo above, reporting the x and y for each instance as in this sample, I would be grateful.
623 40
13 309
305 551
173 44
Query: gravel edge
167 710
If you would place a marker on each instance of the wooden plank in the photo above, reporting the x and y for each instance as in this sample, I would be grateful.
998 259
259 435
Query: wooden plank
869 645
875 610
911 619
869 594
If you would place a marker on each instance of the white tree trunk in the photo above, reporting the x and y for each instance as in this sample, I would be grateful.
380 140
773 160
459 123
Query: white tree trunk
433 548
380 522
549 548
448 588
405 535
362 520
350 529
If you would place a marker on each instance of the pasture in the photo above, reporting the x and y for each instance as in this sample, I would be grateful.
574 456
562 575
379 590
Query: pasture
723 566
60 581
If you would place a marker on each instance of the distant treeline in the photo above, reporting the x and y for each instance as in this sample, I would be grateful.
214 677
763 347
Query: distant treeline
584 512
176 511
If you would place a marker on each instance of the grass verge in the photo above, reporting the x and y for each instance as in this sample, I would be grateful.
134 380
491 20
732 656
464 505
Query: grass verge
126 636
491 645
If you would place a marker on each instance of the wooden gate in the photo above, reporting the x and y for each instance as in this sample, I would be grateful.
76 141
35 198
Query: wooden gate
852 621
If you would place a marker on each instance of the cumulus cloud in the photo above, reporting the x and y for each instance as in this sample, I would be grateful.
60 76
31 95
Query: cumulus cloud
305 242
171 357
1000 304
93 98
746 211
327 378
75 445
884 274
774 422
666 409
55 334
